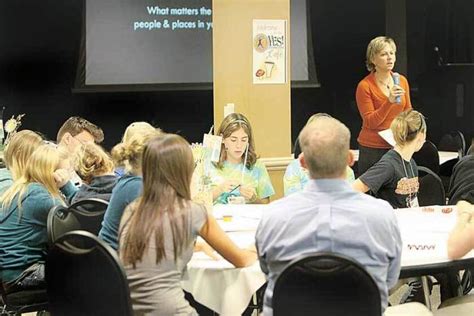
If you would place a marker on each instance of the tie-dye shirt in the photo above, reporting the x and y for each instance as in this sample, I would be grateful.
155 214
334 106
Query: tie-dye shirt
257 177
296 177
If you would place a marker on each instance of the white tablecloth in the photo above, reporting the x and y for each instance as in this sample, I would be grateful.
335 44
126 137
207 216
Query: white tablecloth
226 290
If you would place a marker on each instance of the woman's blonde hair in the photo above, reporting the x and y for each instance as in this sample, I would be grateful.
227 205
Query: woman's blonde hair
407 125
91 160
136 128
376 46
167 167
128 152
231 123
40 168
19 150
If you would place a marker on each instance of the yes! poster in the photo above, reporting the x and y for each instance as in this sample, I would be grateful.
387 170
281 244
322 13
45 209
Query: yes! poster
269 51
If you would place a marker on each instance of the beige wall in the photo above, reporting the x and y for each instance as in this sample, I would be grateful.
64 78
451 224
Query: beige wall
266 106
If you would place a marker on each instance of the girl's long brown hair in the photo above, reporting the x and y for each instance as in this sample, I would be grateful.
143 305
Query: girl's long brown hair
231 123
167 166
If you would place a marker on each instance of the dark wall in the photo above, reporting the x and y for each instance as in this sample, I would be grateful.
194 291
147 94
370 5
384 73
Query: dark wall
445 94
39 48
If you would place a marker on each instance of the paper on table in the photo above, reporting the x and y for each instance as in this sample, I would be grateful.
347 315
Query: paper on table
387 135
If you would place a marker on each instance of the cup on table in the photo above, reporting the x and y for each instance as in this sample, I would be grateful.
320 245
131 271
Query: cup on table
227 215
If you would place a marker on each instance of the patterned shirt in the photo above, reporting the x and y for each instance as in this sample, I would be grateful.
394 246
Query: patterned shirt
257 177
296 177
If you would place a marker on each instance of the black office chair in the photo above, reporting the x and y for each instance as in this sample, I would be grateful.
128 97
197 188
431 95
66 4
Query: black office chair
84 277
325 284
453 141
83 215
431 191
428 156
25 301
446 171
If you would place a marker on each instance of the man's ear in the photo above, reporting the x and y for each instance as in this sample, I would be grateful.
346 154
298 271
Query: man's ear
302 161
67 138
350 158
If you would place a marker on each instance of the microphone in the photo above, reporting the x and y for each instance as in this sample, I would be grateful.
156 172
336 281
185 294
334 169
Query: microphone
2 133
396 81
439 59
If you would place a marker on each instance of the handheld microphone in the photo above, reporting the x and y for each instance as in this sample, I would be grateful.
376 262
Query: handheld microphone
396 81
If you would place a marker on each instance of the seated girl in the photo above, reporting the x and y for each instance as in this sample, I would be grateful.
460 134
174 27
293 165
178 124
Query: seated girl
131 130
395 177
159 229
129 186
96 170
17 152
238 171
23 215
296 176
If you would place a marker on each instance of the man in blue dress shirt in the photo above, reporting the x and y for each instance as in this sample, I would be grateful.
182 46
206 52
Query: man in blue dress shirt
329 216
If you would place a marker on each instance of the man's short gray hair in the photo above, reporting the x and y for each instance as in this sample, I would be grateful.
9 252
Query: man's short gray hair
325 144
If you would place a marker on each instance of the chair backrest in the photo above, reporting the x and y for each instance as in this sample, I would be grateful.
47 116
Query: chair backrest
428 156
296 147
325 284
431 191
453 141
83 215
84 277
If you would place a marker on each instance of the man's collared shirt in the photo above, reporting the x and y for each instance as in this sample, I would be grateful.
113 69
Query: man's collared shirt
329 216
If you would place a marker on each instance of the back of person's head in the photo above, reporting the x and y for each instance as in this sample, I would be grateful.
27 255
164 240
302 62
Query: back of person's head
40 168
20 148
406 126
315 116
136 128
232 123
76 125
325 145
91 161
376 46
167 169
128 153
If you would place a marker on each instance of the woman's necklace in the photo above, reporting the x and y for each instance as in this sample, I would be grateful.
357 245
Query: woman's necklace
385 84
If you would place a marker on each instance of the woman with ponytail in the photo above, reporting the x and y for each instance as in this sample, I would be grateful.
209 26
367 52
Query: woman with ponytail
128 153
395 177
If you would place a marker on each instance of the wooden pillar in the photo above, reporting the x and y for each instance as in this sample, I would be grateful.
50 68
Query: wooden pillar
267 106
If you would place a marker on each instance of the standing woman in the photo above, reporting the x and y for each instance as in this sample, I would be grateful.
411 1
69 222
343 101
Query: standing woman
238 171
159 229
379 100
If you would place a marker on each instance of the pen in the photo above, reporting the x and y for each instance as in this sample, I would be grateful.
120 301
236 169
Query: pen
238 186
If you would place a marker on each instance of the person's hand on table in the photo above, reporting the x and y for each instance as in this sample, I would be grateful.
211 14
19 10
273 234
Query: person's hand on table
465 209
248 193
228 185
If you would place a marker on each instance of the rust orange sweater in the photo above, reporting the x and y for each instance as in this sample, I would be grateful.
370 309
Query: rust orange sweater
376 110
